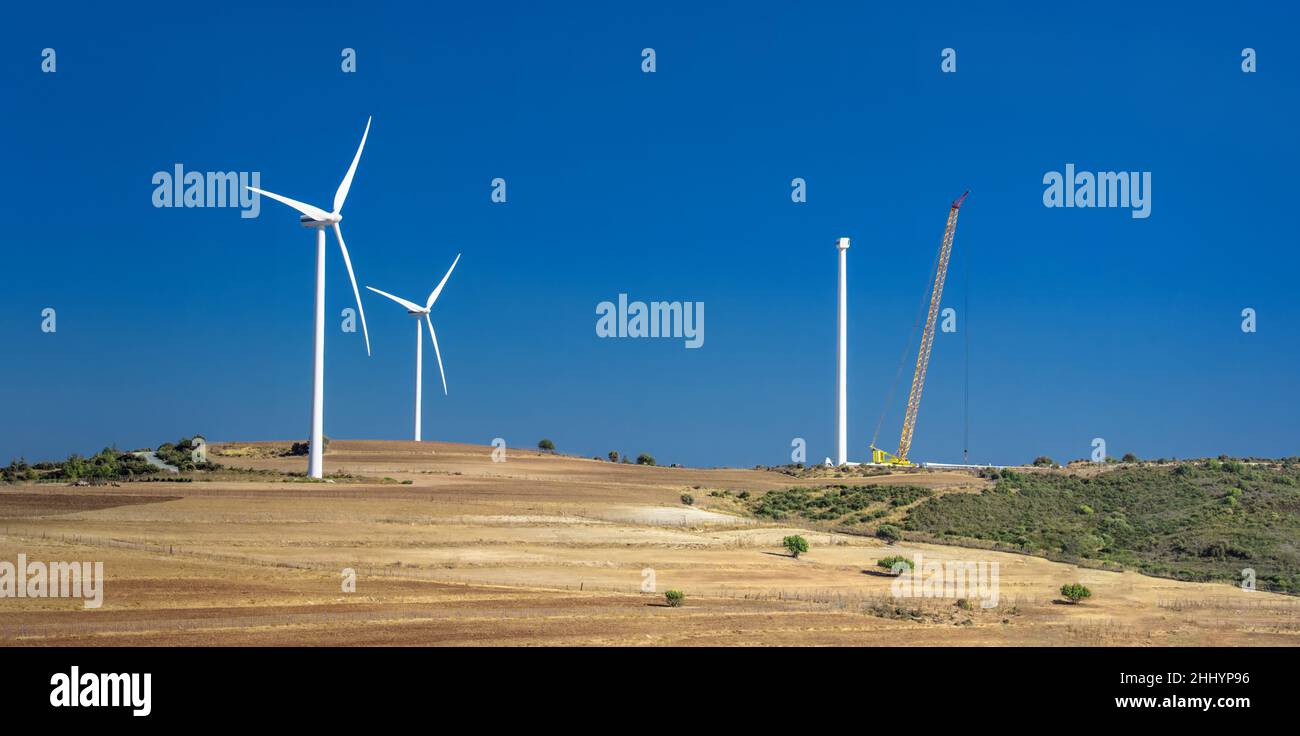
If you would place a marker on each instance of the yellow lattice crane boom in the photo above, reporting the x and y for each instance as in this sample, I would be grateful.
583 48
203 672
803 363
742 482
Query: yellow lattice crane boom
927 341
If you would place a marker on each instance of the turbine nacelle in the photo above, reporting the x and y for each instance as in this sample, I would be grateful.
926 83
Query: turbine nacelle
313 222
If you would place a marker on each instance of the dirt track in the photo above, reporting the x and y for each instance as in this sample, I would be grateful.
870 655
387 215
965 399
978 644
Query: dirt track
541 550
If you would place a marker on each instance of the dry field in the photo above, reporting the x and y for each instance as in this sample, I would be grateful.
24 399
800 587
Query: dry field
540 550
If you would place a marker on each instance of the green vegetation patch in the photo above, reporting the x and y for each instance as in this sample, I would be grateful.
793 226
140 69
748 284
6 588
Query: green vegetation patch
1193 521
107 465
843 504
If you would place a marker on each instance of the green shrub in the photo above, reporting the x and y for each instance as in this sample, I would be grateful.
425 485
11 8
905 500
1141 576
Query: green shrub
546 445
795 544
688 499
645 459
1075 592
1043 461
675 598
613 456
895 564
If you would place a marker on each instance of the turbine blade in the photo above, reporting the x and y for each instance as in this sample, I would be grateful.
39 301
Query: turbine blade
314 213
437 353
412 306
338 233
342 194
433 297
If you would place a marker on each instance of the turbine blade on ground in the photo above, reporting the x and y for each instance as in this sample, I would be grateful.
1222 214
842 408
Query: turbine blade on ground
437 353
341 195
314 213
338 233
412 306
433 297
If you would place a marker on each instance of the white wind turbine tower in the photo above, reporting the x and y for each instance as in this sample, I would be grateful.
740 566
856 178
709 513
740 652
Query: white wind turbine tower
417 311
842 362
314 217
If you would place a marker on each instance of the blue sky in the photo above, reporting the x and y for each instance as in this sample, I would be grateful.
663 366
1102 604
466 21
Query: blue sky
667 186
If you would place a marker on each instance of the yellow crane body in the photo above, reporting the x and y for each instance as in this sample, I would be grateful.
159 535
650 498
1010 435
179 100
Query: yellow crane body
878 455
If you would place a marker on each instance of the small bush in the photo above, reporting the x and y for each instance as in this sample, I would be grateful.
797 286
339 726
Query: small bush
796 545
1129 458
297 448
688 499
675 598
613 456
546 446
1075 592
895 564
645 459
1043 461
743 495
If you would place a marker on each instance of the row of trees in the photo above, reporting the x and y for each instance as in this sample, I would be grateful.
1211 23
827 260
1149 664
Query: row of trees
107 464
645 458
1043 461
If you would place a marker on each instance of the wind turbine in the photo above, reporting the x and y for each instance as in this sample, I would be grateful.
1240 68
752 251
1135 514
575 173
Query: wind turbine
314 217
417 311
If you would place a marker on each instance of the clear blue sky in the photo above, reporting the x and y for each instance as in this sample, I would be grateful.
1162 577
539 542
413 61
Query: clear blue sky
667 186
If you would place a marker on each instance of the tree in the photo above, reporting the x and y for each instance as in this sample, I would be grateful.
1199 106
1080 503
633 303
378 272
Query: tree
613 456
889 533
675 598
18 470
796 545
546 446
1129 458
75 467
645 459
1075 592
1043 461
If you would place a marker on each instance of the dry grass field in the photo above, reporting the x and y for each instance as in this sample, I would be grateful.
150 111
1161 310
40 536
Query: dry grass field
450 548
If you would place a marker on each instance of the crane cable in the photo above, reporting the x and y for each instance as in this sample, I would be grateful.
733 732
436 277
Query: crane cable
907 348
965 328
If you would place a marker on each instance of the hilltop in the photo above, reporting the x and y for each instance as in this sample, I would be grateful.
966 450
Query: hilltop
449 547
